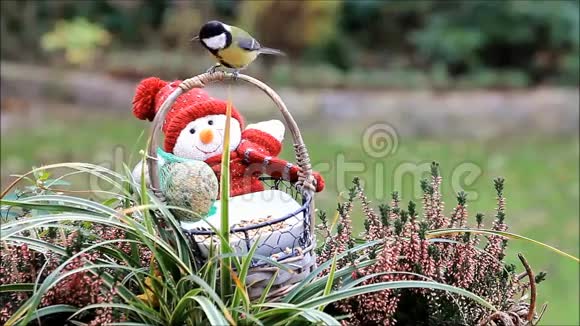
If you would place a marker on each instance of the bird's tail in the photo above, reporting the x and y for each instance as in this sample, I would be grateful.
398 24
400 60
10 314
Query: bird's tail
271 51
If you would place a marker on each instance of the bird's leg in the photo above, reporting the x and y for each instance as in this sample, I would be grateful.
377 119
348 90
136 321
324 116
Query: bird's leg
212 69
235 74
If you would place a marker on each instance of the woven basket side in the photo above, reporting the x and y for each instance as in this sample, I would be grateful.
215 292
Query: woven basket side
299 267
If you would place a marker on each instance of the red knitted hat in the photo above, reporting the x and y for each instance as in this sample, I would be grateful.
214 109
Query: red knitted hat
152 92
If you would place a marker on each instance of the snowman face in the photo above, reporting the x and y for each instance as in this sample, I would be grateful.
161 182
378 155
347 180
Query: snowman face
203 137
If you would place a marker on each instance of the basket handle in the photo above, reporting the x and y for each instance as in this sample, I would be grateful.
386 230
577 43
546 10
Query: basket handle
305 177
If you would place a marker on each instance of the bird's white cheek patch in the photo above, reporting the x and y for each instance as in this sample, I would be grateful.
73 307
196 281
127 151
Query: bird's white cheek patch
216 42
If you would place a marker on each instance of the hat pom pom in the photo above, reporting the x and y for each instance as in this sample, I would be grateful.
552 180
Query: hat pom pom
144 99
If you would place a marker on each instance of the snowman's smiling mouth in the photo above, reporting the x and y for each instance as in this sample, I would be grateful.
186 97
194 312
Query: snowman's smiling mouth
208 152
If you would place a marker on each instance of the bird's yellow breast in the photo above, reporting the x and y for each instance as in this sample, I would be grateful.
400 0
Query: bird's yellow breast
236 57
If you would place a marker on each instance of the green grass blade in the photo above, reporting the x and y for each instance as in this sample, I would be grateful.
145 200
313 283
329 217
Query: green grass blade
100 172
12 228
210 292
81 202
276 312
316 316
319 269
358 281
280 314
343 294
55 309
265 259
211 312
144 199
330 281
38 244
44 207
240 292
264 294
147 316
17 287
177 316
182 243
249 317
225 279
440 232
315 288
240 289
111 282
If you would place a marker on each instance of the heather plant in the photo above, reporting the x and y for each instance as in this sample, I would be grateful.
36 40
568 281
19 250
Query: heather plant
46 249
435 247
23 265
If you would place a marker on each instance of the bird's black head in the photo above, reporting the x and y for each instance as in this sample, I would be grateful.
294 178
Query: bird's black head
215 35
211 29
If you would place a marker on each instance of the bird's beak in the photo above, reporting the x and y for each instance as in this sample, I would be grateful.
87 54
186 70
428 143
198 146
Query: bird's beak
195 38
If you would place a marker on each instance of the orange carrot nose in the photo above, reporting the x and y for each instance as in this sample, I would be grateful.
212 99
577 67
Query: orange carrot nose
206 136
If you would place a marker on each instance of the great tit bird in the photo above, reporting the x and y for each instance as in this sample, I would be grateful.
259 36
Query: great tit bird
232 46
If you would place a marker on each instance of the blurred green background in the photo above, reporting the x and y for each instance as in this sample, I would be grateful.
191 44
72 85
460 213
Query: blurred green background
486 88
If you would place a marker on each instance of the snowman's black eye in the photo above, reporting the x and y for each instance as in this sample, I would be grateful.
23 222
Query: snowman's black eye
192 131
210 122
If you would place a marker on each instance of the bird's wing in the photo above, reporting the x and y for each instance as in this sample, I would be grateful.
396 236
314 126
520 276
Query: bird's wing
244 39
249 44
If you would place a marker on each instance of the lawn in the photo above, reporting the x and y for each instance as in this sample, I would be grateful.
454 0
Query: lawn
541 174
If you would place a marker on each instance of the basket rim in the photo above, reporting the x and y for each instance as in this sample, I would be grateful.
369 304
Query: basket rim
306 200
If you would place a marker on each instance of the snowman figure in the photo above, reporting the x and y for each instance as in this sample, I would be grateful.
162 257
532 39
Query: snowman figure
194 130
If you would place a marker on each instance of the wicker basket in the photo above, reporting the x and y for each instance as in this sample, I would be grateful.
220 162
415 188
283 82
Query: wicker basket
300 260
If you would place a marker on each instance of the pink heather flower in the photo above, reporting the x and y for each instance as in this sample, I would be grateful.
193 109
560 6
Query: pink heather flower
375 226
466 260
439 220
459 216
459 263
339 242
377 307
427 262
496 244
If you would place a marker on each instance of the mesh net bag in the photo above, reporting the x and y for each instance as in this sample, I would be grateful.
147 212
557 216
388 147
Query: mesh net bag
189 184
